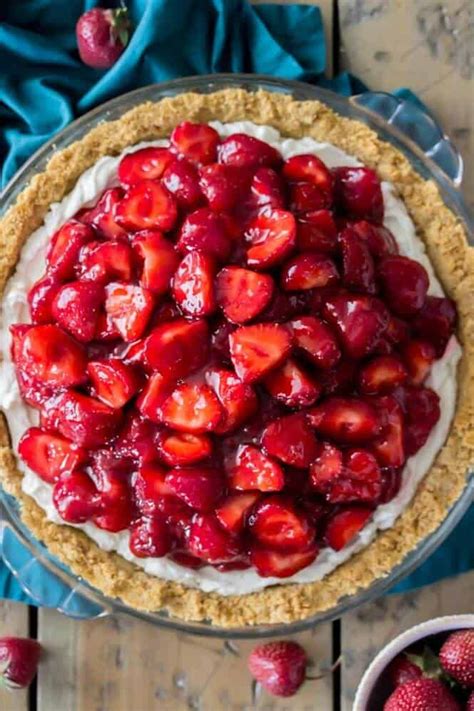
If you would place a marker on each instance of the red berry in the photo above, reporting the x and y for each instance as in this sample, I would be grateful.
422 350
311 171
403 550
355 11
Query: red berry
181 448
358 320
357 263
49 455
41 298
102 216
436 322
345 524
75 497
150 537
419 356
457 657
381 375
358 193
145 164
147 205
279 666
102 35
129 308
210 542
255 350
401 670
193 285
192 408
317 230
83 419
222 185
244 151
405 284
197 142
199 487
308 270
292 385
103 262
272 235
389 446
238 400
182 180
254 470
316 340
205 231
177 348
19 660
347 420
64 248
291 440
159 260
276 523
422 694
276 564
233 512
114 382
243 294
311 169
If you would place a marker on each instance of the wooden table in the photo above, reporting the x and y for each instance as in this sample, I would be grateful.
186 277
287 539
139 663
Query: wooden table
118 664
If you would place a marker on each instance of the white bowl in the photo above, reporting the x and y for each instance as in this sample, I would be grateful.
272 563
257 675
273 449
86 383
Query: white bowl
397 645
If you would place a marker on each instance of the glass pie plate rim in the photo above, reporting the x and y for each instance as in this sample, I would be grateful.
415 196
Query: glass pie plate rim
430 152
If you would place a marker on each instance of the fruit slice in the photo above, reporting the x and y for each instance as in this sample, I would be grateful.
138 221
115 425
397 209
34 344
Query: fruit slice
19 659
419 356
272 235
388 447
357 263
358 193
277 524
317 230
102 216
49 455
422 412
344 525
144 164
233 512
116 510
177 348
327 467
114 382
436 322
150 537
85 420
198 142
237 399
244 151
292 385
49 355
193 284
76 308
129 308
379 240
405 284
103 262
346 420
147 206
182 180
316 340
275 564
222 185
198 487
381 375
255 350
308 270
359 320
64 248
192 408
205 231
159 259
137 439
360 479
153 395
149 488
40 299
310 168
243 294
307 197
291 440
182 448
75 497
254 470
267 189
210 542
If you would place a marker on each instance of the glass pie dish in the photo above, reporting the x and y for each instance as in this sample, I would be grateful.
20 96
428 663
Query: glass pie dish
431 154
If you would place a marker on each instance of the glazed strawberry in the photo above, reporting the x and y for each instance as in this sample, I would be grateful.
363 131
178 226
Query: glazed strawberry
346 420
156 391
220 341
149 486
64 248
379 240
102 35
102 216
292 385
360 479
222 185
389 446
419 356
177 348
436 322
272 235
327 466
307 197
280 667
254 470
145 164
316 340
277 524
405 284
401 670
49 455
358 193
197 142
311 169
358 320
243 294
381 375
358 271
308 270
457 657
345 524
19 658
75 497
255 350
422 694
182 448
210 542
114 382
116 510
85 420
129 308
106 261
147 205
40 299
199 487
237 399
137 439
76 308
150 537
422 412
193 284
244 151
233 512
159 260
267 189
291 440
276 564
182 180
192 408
317 230
339 380
206 232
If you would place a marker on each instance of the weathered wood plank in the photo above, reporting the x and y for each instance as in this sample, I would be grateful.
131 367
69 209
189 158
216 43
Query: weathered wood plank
13 623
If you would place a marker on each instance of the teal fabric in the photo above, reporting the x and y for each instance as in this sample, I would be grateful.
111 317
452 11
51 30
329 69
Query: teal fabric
44 86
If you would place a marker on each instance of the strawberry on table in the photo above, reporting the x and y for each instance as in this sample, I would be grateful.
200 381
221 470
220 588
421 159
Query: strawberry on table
19 659
280 667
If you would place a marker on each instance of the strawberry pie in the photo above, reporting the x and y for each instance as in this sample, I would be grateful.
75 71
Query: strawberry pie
231 351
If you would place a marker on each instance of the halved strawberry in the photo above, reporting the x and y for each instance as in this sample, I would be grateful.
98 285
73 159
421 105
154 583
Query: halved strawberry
114 382
85 420
243 294
419 356
346 420
276 564
310 168
129 308
75 497
316 339
149 487
233 512
244 151
317 230
307 197
192 408
436 322
116 502
254 470
41 297
405 284
358 271
130 353
344 525
359 321
198 142
360 479
186 559
210 542
199 487
76 308
159 257
106 333
223 185
388 447
147 205
381 375
181 448
49 455
308 270
358 193
255 350
182 180
326 467
153 395
145 164
291 440
422 412
379 240
237 399
64 248
150 537
267 189
137 439
272 235
398 331
102 216
205 231
276 523
292 385
177 348
106 261
193 284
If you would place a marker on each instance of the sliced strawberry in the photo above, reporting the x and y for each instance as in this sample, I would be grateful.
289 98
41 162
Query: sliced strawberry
308 270
41 297
310 168
391 483
267 189
145 164
254 470
357 263
177 348
85 420
222 185
292 385
106 332
360 479
159 258
419 356
182 180
49 455
75 497
381 375
379 240
186 560
346 420
102 216
422 412
339 380
237 399
198 142
388 447
182 448
233 512
192 408
116 502
317 341
243 294
132 353
150 537
274 564
207 232
64 248
147 205
255 350
326 467
149 487
359 321
129 308
358 193
398 331
276 523
272 235
291 440
405 284
193 284
106 261
244 151
153 395
114 382
317 230
76 308
220 340
137 439
210 542
199 487
307 197
436 322
344 525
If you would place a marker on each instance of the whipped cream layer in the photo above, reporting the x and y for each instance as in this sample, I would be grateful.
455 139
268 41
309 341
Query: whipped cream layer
20 417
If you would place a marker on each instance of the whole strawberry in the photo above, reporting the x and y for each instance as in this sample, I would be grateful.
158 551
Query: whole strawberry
422 695
401 670
102 35
280 667
18 661
457 657
470 702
